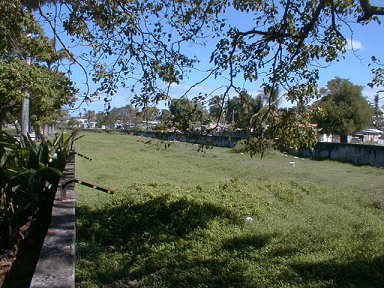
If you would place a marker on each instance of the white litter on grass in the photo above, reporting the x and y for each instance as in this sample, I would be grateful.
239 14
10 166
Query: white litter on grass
248 219
292 163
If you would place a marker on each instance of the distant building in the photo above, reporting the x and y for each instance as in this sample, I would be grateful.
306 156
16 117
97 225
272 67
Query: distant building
381 140
369 135
330 138
85 123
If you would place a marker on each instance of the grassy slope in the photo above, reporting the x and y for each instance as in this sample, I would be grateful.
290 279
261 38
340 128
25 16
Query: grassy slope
177 218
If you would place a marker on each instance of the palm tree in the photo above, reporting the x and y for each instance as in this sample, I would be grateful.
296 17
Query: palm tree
270 94
216 108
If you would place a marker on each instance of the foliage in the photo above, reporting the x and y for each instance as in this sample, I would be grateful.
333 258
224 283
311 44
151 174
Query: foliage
23 41
126 114
72 122
241 109
177 219
149 113
48 90
377 112
22 35
55 92
286 132
346 110
216 108
147 44
187 114
29 177
295 34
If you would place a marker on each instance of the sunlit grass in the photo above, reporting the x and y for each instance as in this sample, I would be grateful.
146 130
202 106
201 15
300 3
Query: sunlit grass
177 218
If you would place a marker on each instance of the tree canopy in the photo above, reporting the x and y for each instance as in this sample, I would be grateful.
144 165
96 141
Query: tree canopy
187 114
240 110
148 40
26 65
148 44
48 89
346 110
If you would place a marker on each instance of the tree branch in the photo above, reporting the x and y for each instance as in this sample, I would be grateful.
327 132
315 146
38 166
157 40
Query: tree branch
369 10
308 28
57 36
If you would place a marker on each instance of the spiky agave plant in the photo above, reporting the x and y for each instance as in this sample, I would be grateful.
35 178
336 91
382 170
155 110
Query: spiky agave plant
29 175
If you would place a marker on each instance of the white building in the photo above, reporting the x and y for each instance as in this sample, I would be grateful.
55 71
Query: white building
369 135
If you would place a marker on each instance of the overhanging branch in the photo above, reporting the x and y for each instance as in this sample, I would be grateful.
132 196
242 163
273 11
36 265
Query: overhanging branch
369 10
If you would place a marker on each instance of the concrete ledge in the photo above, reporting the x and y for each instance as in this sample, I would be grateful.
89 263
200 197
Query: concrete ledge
56 264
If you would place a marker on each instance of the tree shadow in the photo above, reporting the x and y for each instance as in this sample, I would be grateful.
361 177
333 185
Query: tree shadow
152 242
159 219
218 268
138 228
246 243
357 273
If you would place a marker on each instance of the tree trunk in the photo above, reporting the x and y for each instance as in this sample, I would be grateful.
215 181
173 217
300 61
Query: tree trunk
344 139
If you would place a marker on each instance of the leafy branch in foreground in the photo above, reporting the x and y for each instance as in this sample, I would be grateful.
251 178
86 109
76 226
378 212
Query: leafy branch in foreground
147 45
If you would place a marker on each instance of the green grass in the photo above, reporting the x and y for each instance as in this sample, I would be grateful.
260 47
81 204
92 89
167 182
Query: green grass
177 218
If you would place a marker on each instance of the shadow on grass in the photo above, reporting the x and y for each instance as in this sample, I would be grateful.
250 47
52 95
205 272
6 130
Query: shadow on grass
159 219
138 228
154 242
357 273
245 243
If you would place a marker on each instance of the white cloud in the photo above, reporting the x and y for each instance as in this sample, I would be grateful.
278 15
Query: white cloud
354 45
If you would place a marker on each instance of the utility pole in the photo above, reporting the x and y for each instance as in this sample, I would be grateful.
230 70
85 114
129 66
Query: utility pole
26 103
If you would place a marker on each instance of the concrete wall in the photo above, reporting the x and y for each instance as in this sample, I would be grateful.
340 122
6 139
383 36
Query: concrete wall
358 154
56 264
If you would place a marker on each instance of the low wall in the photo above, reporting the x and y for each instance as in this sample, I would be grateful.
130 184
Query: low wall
358 154
56 264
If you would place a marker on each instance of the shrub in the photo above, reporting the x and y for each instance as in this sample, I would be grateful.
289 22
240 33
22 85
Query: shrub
29 175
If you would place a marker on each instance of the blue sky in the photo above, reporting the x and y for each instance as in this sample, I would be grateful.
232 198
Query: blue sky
365 42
